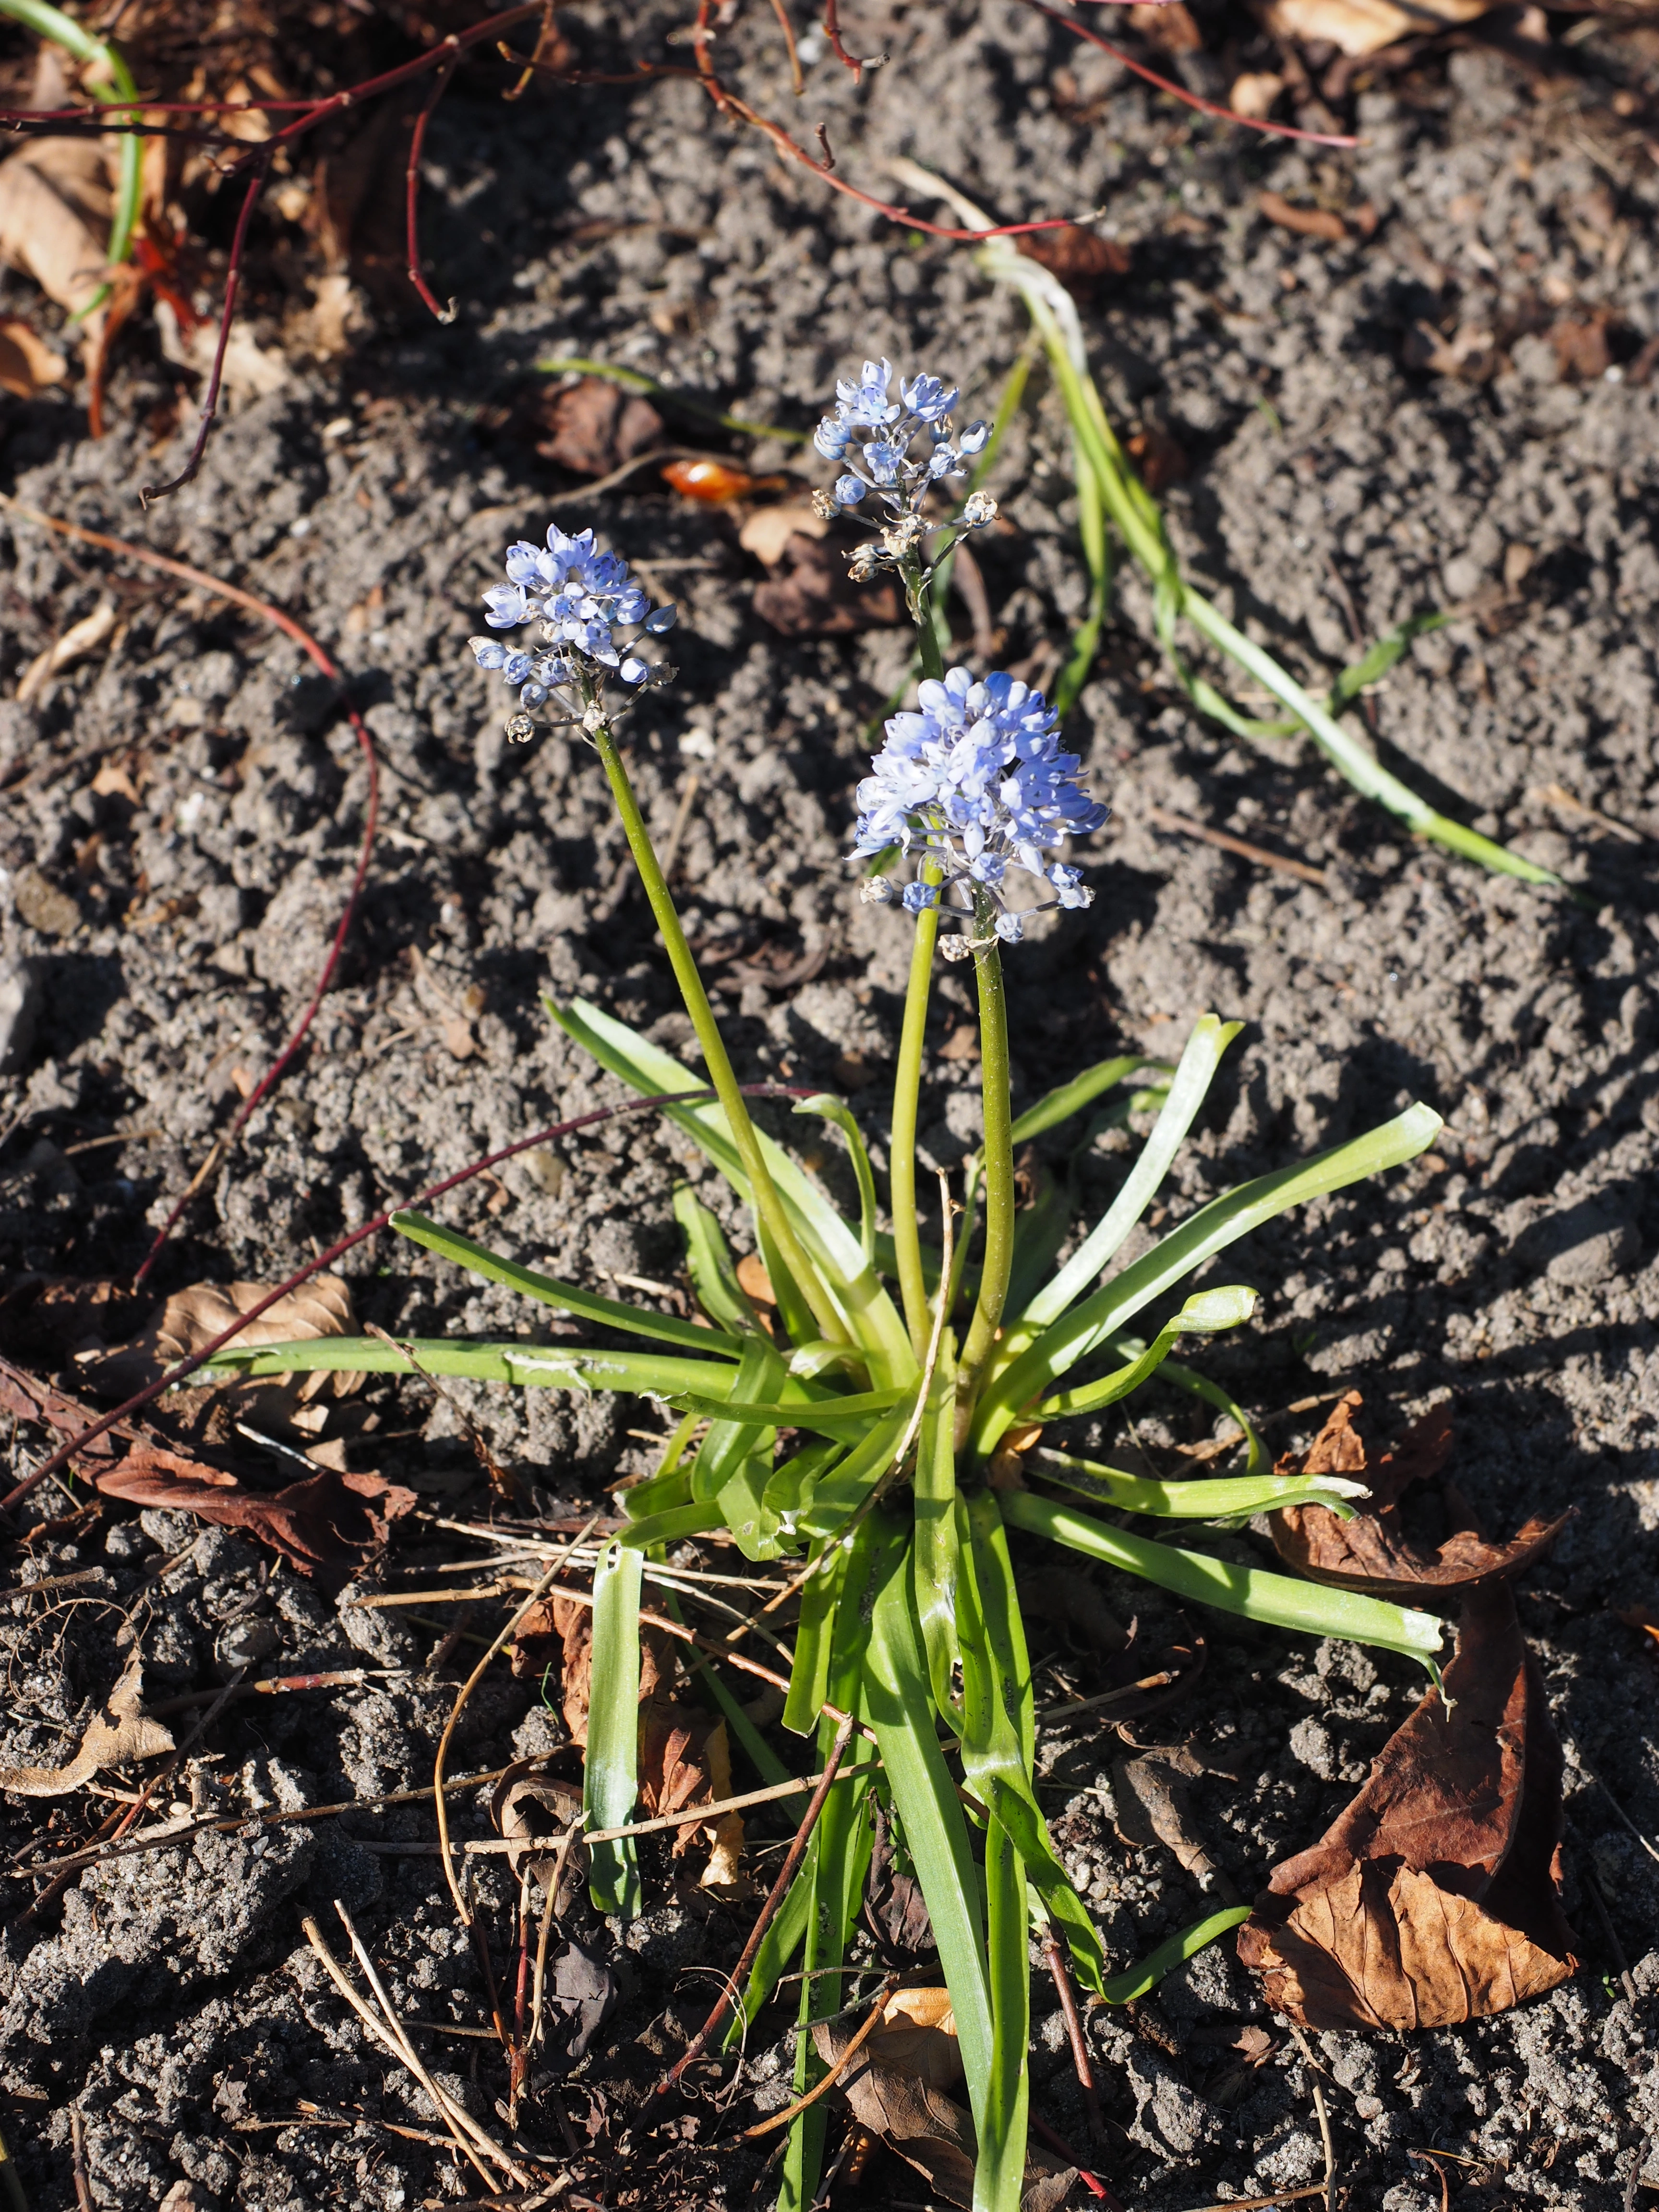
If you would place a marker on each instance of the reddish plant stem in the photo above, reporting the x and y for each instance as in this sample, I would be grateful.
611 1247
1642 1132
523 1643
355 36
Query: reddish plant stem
176 1374
768 1911
1180 91
412 183
832 31
1061 1974
797 81
1092 2182
256 184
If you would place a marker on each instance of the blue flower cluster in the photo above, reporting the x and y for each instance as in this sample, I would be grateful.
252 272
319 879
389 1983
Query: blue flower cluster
581 597
870 429
973 780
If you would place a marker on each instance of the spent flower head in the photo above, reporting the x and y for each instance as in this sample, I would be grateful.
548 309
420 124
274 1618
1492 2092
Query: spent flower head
579 598
971 780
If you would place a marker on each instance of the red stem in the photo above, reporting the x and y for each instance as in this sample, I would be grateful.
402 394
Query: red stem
1180 91
412 187
832 31
209 408
177 1374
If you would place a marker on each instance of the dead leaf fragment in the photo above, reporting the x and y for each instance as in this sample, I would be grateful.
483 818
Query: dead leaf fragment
1435 1898
1254 92
766 533
536 1813
581 1996
78 641
685 1761
1581 352
1471 352
1307 223
894 2085
592 426
1153 1793
28 363
556 1631
54 219
1168 24
331 1523
1364 27
810 594
1080 258
1372 1552
192 1318
119 1733
754 1281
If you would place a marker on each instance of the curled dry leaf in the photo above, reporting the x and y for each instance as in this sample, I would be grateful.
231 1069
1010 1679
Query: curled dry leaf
76 642
591 428
581 1996
1081 258
194 1317
894 2085
28 363
1434 1898
536 1813
1372 1552
330 1524
119 1733
54 219
1153 1793
685 1761
766 533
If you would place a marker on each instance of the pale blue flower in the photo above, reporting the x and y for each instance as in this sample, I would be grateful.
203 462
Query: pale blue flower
848 492
972 780
581 598
872 435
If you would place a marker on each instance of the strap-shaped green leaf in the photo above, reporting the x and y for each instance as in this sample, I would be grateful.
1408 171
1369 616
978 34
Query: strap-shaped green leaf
840 1493
838 1111
1277 1601
1188 1086
1068 1098
563 1297
808 1678
611 1769
869 1311
696 1517
651 1374
936 1554
1206 1310
925 1801
826 1416
708 1261
1205 1387
1206 1232
1227 1498
1138 1980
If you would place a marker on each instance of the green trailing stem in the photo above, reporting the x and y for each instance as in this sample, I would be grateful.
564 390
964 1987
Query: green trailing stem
710 1042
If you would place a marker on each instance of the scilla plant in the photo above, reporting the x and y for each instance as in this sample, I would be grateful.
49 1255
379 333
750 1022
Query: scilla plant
875 1434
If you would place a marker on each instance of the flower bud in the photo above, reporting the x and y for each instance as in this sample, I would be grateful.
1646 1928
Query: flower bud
876 890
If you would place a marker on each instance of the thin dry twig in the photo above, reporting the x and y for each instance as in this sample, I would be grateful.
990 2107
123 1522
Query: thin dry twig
728 1997
78 2155
461 1697
1183 826
867 2028
694 1816
1328 2187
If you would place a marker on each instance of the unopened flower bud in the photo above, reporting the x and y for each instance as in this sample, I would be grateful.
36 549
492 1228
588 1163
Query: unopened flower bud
980 510
876 890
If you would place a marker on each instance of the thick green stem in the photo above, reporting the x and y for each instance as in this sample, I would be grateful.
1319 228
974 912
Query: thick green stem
767 1205
999 1258
918 594
907 1094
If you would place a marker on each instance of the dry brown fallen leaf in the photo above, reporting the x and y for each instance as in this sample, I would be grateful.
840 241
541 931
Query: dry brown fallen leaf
28 363
54 219
194 1317
1363 27
810 594
329 1524
556 1631
1372 1552
685 1761
535 1812
1307 223
591 428
1434 1898
894 2085
1081 258
1153 1793
119 1733
768 531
